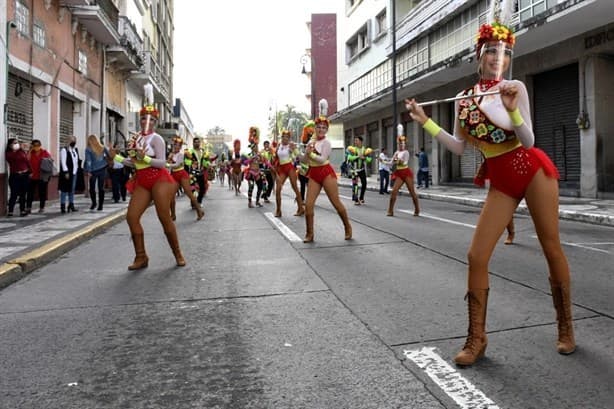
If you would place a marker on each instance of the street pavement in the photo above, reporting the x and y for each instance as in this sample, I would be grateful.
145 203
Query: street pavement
27 243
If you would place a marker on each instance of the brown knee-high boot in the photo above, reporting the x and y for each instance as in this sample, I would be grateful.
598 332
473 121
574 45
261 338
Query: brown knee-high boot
393 199
277 206
173 241
140 260
475 345
300 206
414 198
309 228
561 298
346 223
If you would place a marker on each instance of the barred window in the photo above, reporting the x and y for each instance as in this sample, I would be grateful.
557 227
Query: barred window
22 18
38 34
82 62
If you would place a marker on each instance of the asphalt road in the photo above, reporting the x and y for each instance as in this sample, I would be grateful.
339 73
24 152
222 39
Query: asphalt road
259 319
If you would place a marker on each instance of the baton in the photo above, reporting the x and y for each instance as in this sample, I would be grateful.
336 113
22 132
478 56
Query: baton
438 101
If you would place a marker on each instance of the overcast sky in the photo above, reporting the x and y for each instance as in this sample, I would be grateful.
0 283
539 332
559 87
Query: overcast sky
235 59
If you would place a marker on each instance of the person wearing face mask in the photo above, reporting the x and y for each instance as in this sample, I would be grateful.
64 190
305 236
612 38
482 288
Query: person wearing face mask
19 169
499 125
38 180
69 166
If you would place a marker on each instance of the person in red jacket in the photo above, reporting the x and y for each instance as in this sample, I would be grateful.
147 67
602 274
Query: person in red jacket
19 168
38 180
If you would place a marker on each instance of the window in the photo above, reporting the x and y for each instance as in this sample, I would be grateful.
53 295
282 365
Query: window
82 62
38 34
532 8
381 24
22 18
358 43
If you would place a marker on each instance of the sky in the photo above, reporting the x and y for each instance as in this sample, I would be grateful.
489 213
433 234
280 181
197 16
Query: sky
237 61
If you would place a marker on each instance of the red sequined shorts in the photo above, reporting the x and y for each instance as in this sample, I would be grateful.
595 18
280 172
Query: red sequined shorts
403 174
148 177
285 169
179 175
319 173
512 172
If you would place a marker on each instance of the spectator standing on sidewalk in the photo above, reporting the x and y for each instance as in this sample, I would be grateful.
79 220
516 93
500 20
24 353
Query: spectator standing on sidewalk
39 180
423 168
499 125
96 163
19 177
119 176
69 166
384 171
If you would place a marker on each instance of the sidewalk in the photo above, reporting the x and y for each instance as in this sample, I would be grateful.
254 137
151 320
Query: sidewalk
596 211
29 242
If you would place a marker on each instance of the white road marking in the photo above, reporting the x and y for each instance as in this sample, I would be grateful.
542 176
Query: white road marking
285 230
584 246
463 392
441 219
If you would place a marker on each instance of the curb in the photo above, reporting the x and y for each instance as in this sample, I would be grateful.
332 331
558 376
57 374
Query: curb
16 269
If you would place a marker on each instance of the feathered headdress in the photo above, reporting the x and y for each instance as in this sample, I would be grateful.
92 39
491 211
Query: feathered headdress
400 137
178 139
148 107
308 130
499 29
254 135
323 108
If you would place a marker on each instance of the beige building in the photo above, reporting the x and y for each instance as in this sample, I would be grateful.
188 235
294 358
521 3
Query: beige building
564 54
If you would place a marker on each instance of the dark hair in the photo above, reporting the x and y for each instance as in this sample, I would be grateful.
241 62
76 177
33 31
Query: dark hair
359 138
266 142
35 142
196 138
383 149
9 143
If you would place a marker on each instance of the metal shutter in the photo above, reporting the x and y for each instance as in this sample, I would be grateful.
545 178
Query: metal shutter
19 108
556 104
470 162
66 120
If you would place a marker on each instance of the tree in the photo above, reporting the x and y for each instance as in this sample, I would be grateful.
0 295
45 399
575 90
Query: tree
216 131
288 119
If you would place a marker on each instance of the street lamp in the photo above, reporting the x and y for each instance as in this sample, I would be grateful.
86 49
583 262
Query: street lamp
304 60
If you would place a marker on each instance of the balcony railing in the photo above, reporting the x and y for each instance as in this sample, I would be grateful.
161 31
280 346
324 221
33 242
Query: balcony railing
153 70
99 17
128 55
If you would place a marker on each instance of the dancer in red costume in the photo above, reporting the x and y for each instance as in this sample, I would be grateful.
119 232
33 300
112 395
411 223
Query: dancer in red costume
500 127
175 162
322 175
402 174
147 153
286 152
235 166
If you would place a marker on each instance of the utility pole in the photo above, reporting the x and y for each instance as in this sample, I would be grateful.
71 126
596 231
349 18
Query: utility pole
395 113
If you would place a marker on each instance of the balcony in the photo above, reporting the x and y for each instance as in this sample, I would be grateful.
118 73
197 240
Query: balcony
99 17
151 72
127 56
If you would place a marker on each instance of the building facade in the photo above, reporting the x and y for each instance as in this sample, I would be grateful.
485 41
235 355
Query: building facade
77 67
564 54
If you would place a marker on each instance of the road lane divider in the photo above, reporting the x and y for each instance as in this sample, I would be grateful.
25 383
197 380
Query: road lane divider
463 392
285 230
441 219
